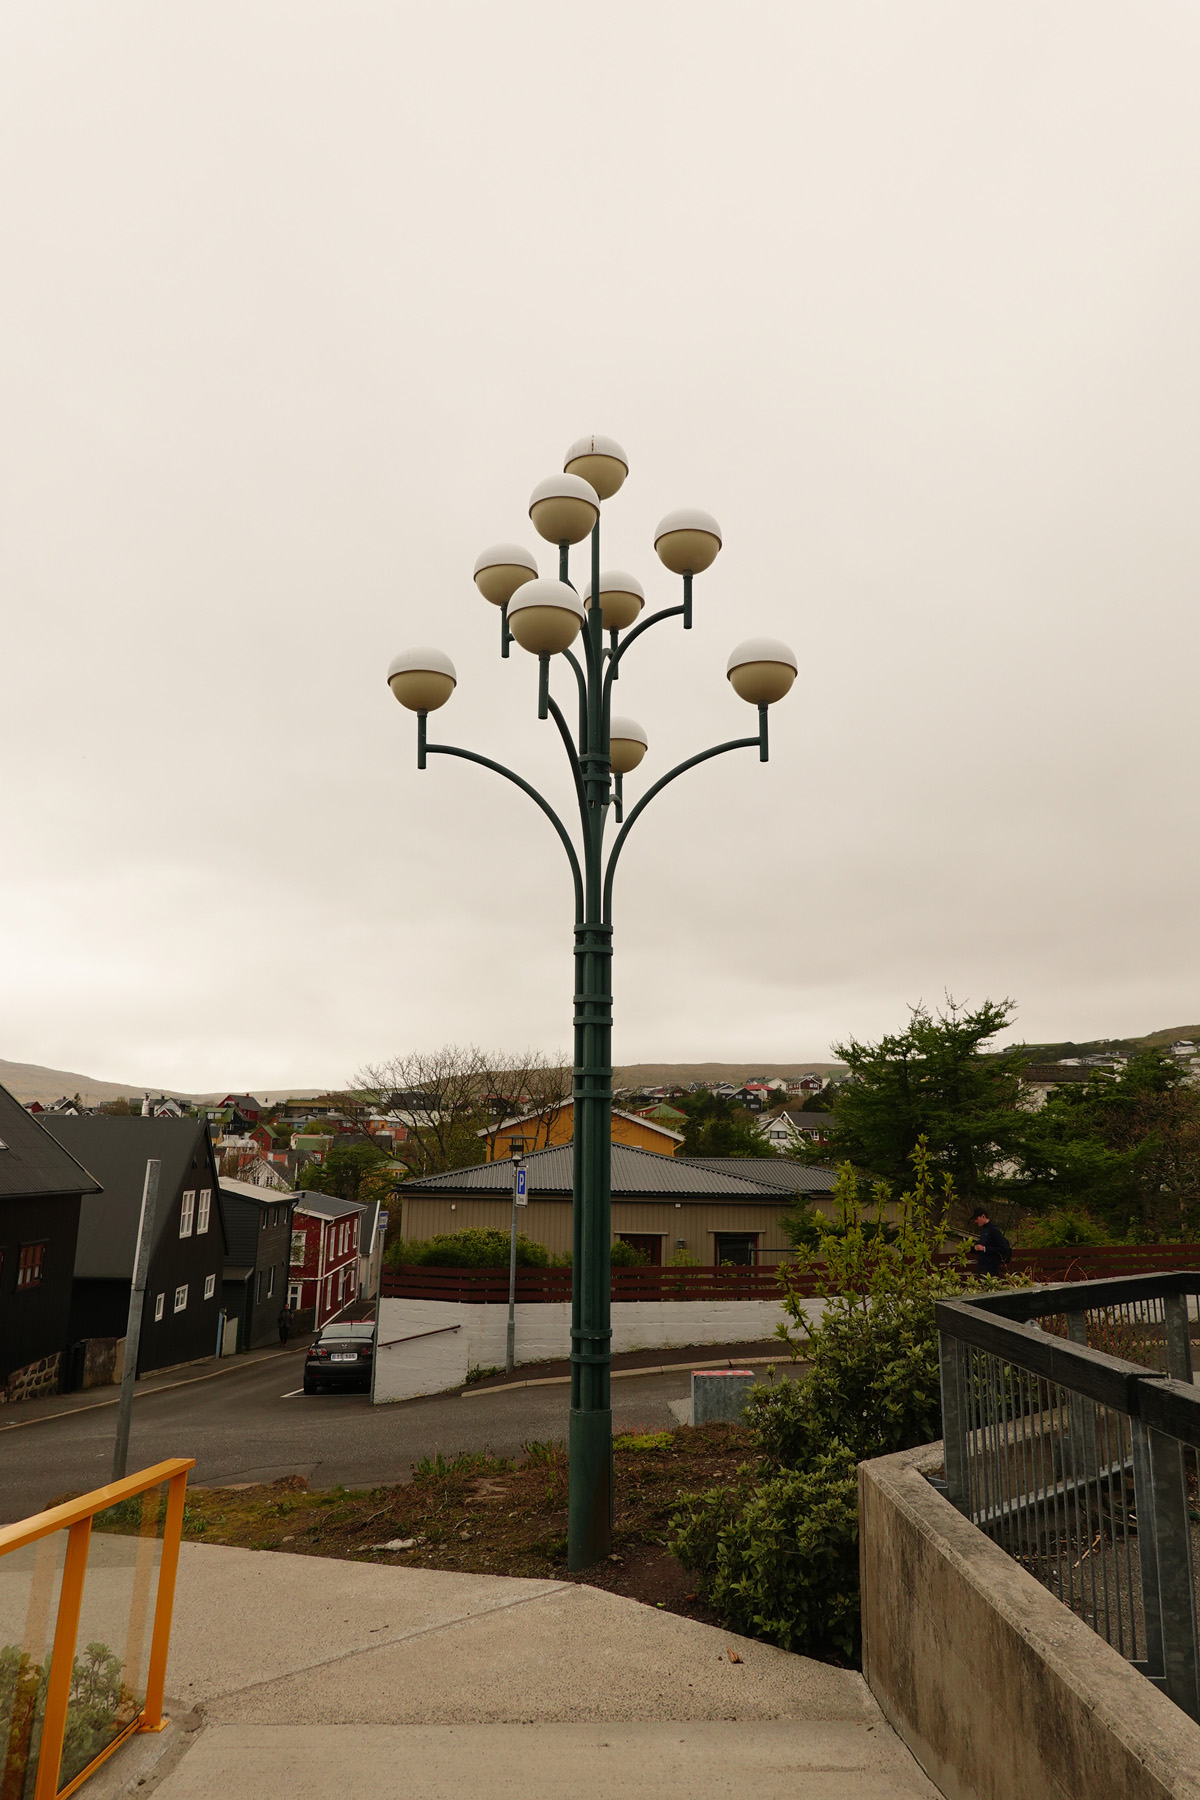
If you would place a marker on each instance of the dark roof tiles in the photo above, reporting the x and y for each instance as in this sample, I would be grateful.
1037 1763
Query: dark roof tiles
32 1160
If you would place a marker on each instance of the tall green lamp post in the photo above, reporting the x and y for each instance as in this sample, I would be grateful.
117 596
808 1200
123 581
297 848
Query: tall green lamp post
546 618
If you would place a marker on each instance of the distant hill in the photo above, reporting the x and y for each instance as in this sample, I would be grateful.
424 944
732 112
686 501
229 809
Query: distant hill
1153 1040
30 1081
679 1074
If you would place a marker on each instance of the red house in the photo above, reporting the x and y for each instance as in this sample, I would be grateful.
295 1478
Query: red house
323 1271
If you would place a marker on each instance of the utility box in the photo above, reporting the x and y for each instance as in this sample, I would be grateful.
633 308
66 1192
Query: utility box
721 1394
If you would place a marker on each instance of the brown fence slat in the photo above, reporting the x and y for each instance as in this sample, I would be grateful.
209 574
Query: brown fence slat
1084 1262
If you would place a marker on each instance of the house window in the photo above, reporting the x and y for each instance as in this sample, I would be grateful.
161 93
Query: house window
185 1215
294 1296
181 1297
265 1215
210 1286
270 1281
159 1303
31 1265
203 1210
259 1288
737 1247
297 1255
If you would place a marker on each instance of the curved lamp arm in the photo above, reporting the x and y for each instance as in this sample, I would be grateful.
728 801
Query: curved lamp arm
758 743
424 748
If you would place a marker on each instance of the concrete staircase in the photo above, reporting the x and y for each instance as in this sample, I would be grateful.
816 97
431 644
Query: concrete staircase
316 1678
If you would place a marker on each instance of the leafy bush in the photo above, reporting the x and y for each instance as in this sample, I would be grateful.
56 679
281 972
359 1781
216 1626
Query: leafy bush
476 1247
778 1558
626 1256
1063 1227
777 1555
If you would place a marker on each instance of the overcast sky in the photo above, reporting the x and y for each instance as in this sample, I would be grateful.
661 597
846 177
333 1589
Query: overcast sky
300 301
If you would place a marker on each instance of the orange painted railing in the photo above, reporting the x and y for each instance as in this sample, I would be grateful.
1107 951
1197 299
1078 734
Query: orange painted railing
75 1517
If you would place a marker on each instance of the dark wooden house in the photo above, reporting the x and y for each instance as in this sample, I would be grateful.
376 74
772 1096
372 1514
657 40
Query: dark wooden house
258 1231
41 1188
183 1291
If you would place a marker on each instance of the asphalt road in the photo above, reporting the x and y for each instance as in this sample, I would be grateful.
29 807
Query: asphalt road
249 1424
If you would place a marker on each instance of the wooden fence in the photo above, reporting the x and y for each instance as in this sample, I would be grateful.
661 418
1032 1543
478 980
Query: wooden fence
1073 1263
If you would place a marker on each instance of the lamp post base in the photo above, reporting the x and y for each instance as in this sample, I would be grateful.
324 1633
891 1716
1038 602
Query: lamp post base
590 1492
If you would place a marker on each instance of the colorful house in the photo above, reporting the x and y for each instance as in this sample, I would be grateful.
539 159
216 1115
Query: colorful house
546 1127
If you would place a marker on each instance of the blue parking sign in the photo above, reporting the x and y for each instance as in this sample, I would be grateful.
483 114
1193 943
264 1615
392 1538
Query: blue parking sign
521 1196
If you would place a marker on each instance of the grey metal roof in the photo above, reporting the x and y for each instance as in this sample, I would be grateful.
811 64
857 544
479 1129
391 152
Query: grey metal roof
323 1206
116 1151
781 1174
33 1161
642 1173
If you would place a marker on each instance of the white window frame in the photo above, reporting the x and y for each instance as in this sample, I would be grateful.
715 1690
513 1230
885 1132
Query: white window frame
210 1286
181 1298
295 1293
160 1300
203 1211
186 1214
299 1249
271 1282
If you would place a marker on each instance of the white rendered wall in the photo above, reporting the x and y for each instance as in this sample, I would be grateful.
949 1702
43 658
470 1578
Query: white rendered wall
417 1354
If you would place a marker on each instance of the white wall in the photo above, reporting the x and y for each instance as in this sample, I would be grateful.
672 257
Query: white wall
427 1346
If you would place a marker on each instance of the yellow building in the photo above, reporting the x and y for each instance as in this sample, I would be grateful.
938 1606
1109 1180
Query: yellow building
543 1129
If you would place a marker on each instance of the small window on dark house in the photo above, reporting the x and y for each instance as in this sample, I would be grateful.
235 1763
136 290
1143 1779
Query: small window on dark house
203 1210
160 1301
186 1213
259 1291
271 1281
210 1286
181 1297
31 1265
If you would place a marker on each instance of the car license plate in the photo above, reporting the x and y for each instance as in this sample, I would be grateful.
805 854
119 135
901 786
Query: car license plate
344 1356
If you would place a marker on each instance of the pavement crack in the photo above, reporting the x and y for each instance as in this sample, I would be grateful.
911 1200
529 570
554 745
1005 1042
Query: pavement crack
406 1637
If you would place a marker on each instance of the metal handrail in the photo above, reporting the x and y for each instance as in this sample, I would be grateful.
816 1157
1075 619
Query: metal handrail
75 1518
1080 1463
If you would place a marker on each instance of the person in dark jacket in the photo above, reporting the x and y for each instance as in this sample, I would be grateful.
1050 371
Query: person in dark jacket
991 1247
285 1322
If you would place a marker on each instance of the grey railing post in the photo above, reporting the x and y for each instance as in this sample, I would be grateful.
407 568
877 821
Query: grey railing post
1082 1414
954 1422
1147 1543
1179 1345
1176 1594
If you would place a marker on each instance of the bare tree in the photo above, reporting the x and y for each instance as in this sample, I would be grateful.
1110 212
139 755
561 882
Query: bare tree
539 1087
448 1100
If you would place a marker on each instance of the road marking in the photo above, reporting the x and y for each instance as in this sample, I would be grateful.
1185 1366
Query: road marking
292 1395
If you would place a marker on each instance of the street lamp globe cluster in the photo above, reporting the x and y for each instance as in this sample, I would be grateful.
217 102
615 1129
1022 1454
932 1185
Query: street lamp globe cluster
591 630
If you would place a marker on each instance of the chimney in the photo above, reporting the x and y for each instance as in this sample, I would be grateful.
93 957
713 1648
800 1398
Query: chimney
146 1107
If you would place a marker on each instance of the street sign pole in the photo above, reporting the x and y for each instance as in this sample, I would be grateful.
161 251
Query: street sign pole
518 1199
133 1328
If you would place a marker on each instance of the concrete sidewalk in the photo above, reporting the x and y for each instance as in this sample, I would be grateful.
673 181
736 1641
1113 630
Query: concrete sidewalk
320 1677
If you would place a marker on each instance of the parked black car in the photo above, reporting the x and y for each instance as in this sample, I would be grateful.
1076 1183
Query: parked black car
340 1357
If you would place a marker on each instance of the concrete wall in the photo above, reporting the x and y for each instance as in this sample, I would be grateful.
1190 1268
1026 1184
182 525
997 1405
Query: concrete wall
424 1363
996 1687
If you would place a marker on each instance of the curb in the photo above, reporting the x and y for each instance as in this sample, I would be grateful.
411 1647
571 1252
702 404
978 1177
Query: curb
507 1387
142 1393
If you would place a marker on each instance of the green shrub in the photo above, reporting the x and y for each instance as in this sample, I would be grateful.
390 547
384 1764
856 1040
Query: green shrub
625 1256
1065 1226
476 1247
778 1558
777 1555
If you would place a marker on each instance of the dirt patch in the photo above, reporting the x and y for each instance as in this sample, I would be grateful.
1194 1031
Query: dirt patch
489 1516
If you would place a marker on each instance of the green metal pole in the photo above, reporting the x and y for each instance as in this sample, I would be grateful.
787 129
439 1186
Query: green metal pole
590 1492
